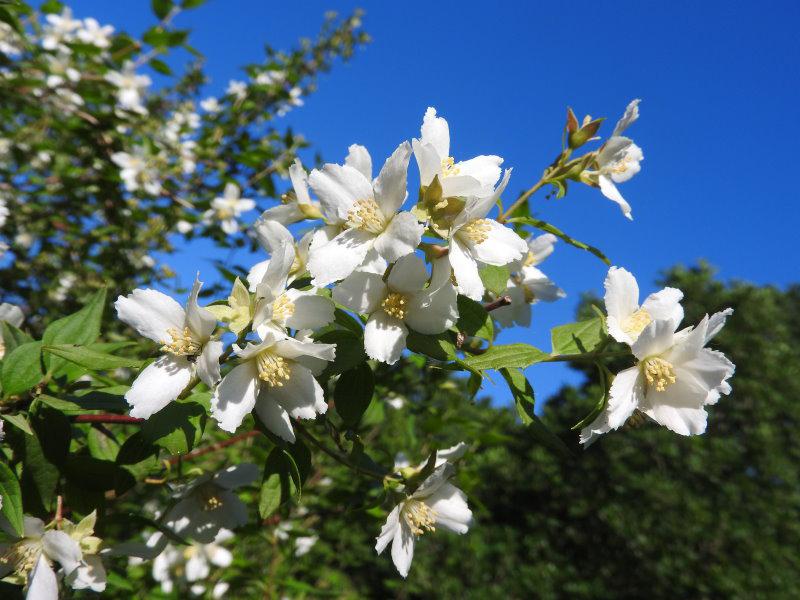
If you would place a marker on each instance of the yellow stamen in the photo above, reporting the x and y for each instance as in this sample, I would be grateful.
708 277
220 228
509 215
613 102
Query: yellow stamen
367 216
635 323
419 516
658 372
449 167
530 260
282 309
395 305
477 231
272 369
23 555
210 496
182 344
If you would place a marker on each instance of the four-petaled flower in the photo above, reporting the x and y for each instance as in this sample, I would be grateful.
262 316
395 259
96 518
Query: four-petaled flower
227 208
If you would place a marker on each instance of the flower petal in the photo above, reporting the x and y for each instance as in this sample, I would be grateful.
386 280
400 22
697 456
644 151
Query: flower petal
361 292
436 132
274 416
485 169
401 237
271 234
665 305
237 476
339 257
621 300
200 321
338 188
89 575
631 114
390 185
208 363
388 530
409 275
466 271
384 337
358 157
11 314
433 312
429 161
60 547
300 395
311 311
625 395
151 313
235 396
611 192
449 505
403 549
501 247
160 383
42 583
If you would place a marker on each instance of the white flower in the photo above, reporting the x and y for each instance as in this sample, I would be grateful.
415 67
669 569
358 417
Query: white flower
227 208
401 301
474 239
674 379
186 338
298 207
31 558
237 89
59 29
270 77
295 99
369 211
131 88
396 402
618 159
434 502
9 40
192 564
626 319
4 212
136 171
65 283
61 70
277 307
528 285
184 227
474 177
95 34
276 377
210 105
303 544
271 234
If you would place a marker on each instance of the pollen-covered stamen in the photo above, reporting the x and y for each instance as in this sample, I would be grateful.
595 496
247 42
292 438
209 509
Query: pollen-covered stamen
658 372
210 496
182 344
273 370
282 309
23 555
530 260
449 167
367 216
419 516
395 305
477 231
635 323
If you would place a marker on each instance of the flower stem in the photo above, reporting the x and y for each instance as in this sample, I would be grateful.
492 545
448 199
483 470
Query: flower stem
334 455
519 201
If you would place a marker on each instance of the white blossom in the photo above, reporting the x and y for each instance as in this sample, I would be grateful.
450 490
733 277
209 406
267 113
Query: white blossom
60 70
131 88
4 212
95 34
401 302
137 172
60 29
618 159
186 341
10 42
237 89
369 212
299 206
210 105
227 208
192 564
295 99
271 234
303 544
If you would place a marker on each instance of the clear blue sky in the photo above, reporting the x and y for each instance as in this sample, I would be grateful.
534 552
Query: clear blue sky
719 83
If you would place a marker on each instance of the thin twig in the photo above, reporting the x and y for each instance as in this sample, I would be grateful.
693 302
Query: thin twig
499 303
213 447
521 199
108 418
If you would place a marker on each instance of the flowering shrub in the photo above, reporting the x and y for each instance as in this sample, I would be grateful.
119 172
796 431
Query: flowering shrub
298 357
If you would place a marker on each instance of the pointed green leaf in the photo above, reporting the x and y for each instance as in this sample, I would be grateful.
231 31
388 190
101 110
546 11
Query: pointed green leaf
22 369
11 494
506 356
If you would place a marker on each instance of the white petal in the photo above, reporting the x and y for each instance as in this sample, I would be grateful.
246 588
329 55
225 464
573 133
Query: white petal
611 192
435 131
159 384
235 396
221 557
518 312
466 271
501 247
361 292
449 505
200 321
358 157
285 214
625 395
274 417
541 247
90 575
403 549
681 420
338 187
311 311
197 568
665 305
388 530
271 234
11 314
540 286
384 337
151 313
274 280
485 169
298 349
716 322
478 207
433 313
60 547
631 114
621 300
428 161
408 275
299 179
300 395
655 339
208 363
401 237
339 257
390 185
42 584
237 476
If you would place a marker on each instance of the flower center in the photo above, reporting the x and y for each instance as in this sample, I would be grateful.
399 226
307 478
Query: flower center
395 305
635 323
477 231
273 370
658 372
530 260
622 165
282 309
210 497
23 555
419 517
449 167
182 343
366 215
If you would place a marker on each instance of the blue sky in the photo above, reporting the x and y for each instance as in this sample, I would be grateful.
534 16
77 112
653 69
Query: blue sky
719 86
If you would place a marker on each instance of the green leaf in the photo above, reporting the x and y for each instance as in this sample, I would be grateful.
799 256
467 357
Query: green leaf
19 421
97 475
473 319
13 337
545 226
177 427
506 356
93 360
53 430
11 494
525 402
438 346
160 66
281 481
353 393
349 351
495 279
161 8
22 369
81 328
578 337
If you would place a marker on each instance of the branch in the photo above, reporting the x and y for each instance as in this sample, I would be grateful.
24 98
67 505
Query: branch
108 418
501 218
499 303
213 447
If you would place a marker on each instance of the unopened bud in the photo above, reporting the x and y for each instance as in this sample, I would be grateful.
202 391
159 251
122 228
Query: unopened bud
584 134
572 121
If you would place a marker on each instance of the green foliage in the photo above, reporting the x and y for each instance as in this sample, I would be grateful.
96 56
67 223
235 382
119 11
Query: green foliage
353 393
504 356
495 279
12 499
578 337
